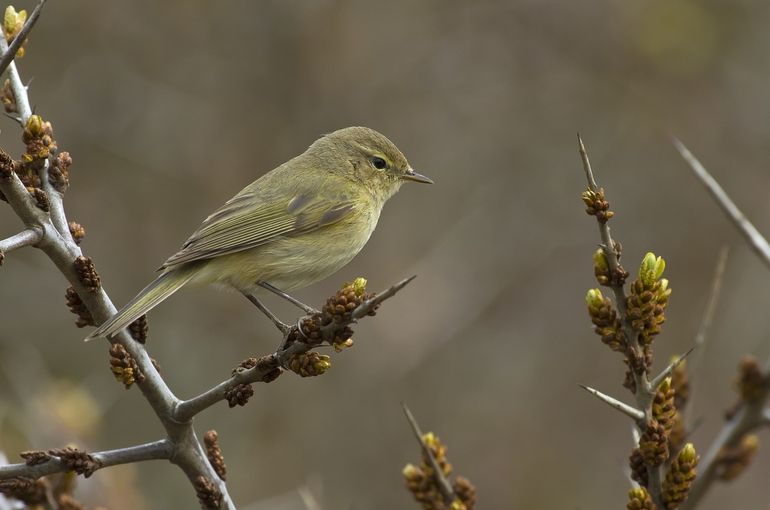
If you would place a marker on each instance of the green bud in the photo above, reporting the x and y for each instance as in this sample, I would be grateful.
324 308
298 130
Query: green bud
594 299
600 261
35 125
651 269
688 454
13 21
359 285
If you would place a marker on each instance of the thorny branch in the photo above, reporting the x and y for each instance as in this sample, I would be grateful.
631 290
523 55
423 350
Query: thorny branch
49 231
57 243
447 492
645 390
756 240
185 410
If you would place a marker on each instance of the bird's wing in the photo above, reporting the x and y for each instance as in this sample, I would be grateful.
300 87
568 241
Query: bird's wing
249 220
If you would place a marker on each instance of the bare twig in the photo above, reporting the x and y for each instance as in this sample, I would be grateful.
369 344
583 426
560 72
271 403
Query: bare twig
703 329
9 53
669 370
632 412
185 410
29 237
757 242
443 483
157 450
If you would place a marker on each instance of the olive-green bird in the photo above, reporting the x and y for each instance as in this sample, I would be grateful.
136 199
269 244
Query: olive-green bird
292 227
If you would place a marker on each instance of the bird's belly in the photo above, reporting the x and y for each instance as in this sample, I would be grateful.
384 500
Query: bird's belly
287 263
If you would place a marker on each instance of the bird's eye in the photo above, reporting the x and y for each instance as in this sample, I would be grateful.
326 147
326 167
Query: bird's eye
379 163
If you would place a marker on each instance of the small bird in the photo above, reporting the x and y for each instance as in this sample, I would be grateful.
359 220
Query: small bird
292 227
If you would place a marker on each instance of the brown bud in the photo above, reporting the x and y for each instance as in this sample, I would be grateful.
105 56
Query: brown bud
41 199
638 467
214 453
87 274
751 381
654 444
35 457
208 493
78 461
77 231
76 306
124 367
59 171
465 492
239 395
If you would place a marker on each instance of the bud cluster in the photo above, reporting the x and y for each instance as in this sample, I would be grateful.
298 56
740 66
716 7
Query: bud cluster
124 367
422 482
639 499
605 320
597 205
78 461
649 298
309 364
680 476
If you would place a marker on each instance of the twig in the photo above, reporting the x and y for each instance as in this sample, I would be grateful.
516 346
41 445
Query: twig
157 450
608 246
632 412
757 242
10 52
669 370
444 486
184 410
55 204
703 329
28 237
645 392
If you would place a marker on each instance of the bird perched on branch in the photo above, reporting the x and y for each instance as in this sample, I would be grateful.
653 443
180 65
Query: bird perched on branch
292 227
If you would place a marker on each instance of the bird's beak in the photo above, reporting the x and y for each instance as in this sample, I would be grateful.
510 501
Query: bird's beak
411 175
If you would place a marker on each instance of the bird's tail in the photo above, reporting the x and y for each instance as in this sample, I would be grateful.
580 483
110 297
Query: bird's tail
150 297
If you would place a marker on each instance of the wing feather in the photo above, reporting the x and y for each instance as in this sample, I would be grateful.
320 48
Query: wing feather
246 221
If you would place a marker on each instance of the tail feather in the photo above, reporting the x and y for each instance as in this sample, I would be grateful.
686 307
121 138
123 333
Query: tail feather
151 296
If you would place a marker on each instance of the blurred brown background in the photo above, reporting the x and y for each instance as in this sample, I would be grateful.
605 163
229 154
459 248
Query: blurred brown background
169 108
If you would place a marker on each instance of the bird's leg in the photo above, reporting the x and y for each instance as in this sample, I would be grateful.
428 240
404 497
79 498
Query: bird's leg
284 328
307 309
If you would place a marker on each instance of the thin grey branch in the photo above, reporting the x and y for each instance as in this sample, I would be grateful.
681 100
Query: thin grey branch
666 372
19 90
441 480
645 392
703 329
632 412
28 237
157 450
184 411
9 53
756 240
